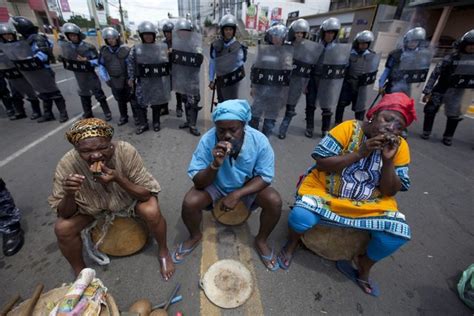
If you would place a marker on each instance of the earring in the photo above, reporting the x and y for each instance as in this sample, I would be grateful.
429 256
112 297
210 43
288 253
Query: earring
370 121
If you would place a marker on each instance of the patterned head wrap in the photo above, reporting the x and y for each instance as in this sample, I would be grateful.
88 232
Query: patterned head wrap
88 128
233 110
398 102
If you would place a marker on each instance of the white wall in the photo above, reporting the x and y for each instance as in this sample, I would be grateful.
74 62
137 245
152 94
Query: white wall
307 8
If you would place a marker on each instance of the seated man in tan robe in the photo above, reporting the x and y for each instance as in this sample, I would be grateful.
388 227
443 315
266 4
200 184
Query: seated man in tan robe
101 176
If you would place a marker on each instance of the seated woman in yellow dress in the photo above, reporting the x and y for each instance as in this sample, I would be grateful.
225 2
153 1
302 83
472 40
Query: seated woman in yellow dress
359 168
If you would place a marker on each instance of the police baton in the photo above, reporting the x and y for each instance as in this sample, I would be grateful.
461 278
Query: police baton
213 103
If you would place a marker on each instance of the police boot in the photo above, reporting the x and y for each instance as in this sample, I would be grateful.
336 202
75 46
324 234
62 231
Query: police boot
142 117
185 124
339 117
105 108
86 102
136 119
428 125
7 102
451 125
164 110
179 105
359 115
193 114
123 113
156 112
326 122
13 241
309 125
35 106
254 122
285 123
61 105
19 106
268 125
47 111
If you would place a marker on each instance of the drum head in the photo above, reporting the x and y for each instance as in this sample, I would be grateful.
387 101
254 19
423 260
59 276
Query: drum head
227 283
336 243
124 237
232 218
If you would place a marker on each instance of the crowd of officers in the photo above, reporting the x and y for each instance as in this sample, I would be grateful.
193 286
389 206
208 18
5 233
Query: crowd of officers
332 75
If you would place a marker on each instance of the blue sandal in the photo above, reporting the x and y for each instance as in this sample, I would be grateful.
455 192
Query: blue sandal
283 257
346 268
267 260
179 251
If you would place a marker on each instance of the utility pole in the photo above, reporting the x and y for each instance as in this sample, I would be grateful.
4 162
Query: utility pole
122 21
96 20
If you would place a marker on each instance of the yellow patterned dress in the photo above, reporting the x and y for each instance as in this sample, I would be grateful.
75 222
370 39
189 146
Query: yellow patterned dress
352 197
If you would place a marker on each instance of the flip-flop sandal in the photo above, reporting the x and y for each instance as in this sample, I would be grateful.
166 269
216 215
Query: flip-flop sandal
346 268
267 260
182 252
164 266
283 257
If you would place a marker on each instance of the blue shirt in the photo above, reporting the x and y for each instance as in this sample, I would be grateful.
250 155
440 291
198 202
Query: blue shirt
256 158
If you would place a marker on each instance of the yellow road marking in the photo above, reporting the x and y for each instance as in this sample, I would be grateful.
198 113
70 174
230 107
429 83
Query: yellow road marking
245 241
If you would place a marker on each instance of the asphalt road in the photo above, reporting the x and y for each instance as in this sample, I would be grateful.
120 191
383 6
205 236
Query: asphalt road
420 279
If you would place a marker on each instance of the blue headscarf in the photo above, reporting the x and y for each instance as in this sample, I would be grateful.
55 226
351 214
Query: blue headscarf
232 110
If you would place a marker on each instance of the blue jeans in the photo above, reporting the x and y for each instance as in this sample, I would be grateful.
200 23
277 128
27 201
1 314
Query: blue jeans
381 244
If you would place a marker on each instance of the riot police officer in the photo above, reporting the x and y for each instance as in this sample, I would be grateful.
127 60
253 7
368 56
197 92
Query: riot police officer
81 58
451 83
360 76
227 58
32 55
325 84
113 70
305 56
18 84
148 72
187 59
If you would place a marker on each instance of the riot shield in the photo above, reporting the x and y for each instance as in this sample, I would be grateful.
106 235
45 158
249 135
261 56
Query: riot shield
70 62
228 76
305 56
460 94
365 80
413 68
153 71
187 59
270 79
335 59
40 78
7 67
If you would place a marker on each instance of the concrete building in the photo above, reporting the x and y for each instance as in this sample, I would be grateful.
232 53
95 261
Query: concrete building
35 10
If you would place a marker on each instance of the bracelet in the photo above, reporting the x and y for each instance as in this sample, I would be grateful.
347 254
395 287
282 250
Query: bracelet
213 167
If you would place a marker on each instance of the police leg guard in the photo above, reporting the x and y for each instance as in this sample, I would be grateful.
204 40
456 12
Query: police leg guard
339 117
143 120
35 107
122 105
134 107
193 114
254 122
47 111
326 121
61 105
105 108
86 102
179 105
309 121
428 122
451 125
268 125
285 123
8 104
19 106
156 111
165 109
359 115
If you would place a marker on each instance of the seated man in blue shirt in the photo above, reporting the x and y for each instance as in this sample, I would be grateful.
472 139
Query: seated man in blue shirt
232 162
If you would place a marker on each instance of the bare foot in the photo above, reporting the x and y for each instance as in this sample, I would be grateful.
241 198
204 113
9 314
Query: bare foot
186 247
166 266
265 252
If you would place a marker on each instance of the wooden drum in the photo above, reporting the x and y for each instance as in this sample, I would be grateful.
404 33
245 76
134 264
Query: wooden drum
125 236
237 216
336 243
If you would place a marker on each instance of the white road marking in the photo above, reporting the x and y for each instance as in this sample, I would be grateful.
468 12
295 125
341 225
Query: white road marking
64 80
23 150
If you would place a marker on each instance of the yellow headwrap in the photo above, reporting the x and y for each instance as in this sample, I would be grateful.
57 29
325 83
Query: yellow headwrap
88 128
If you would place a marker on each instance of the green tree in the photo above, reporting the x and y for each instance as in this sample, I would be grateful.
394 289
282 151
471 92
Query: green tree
82 22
